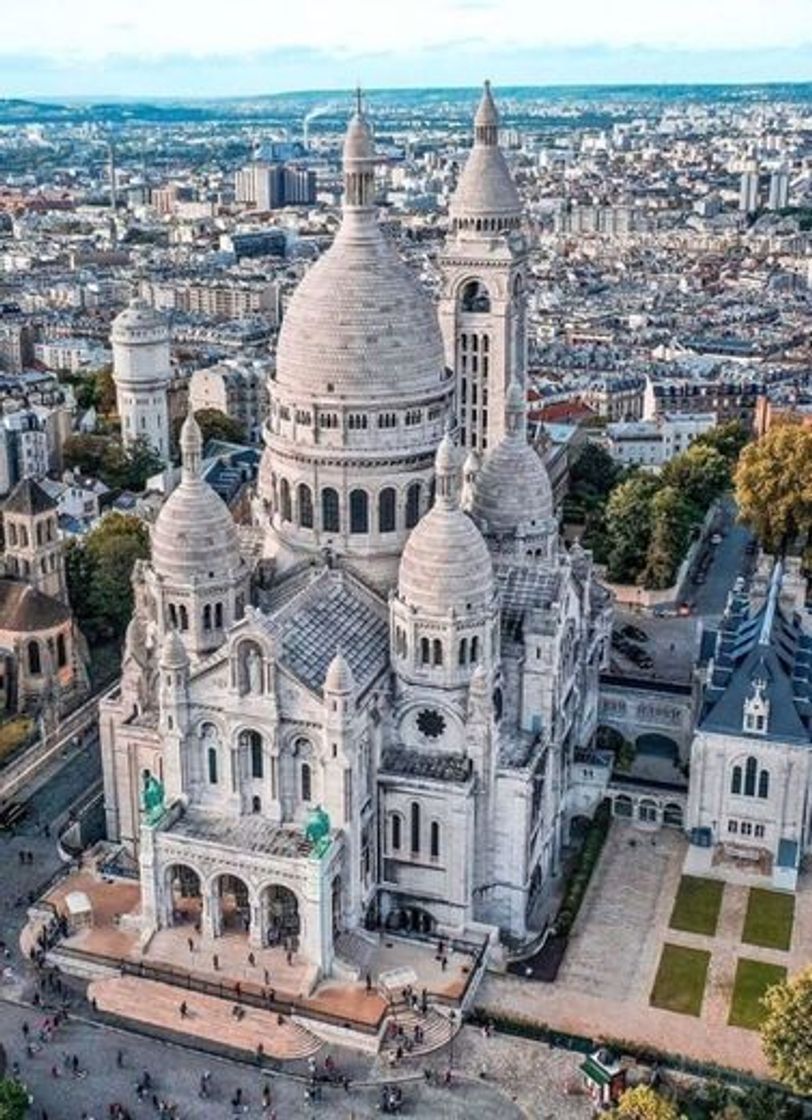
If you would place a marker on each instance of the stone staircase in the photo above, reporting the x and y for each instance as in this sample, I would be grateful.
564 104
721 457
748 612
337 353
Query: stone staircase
437 1032
208 1018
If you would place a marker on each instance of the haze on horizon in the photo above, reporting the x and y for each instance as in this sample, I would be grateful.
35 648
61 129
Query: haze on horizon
148 48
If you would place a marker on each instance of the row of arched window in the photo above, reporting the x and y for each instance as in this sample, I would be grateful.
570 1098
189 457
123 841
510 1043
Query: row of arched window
45 532
212 616
396 832
57 648
487 225
297 506
432 650
750 781
357 421
252 742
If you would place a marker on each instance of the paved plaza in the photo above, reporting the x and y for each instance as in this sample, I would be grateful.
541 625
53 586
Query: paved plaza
606 980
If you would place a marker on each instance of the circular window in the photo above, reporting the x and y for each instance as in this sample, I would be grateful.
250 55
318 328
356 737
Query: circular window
430 723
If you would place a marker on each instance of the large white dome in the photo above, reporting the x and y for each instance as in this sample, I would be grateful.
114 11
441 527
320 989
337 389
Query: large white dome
359 326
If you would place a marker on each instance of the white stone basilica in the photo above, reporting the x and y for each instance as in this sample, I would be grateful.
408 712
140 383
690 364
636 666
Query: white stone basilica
416 655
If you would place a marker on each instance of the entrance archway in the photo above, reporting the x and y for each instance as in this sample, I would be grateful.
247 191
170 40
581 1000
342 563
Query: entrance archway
280 911
184 895
411 919
235 905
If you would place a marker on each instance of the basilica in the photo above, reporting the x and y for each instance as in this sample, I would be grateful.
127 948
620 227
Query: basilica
380 717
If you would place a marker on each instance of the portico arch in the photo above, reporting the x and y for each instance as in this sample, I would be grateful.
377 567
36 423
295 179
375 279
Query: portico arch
231 898
279 916
183 895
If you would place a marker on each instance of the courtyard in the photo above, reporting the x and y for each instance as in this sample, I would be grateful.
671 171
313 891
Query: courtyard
675 962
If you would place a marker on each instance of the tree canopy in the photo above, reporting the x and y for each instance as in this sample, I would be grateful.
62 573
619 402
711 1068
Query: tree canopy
96 389
13 1100
728 439
645 1103
774 486
106 457
628 526
786 1033
99 570
214 424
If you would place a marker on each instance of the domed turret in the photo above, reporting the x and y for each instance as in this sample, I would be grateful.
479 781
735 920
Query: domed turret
512 489
486 191
338 677
446 564
196 555
173 652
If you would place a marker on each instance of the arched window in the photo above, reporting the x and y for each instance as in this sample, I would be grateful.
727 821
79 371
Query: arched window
207 617
284 500
415 828
736 780
253 741
330 522
764 784
750 769
212 758
173 616
256 804
305 499
306 782
386 510
462 656
12 534
425 651
396 827
437 651
218 616
474 649
184 618
412 505
359 511
239 606
434 842
474 296
61 652
34 660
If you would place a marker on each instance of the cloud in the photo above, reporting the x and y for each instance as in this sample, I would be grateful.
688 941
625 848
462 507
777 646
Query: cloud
94 30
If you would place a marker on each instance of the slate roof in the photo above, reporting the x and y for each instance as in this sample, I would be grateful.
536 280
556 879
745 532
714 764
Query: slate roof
423 764
28 497
766 646
24 610
522 589
330 615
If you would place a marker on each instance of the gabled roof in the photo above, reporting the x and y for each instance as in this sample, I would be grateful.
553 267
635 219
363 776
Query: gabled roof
24 610
28 497
767 647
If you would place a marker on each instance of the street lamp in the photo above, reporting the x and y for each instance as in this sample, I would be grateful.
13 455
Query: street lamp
452 1018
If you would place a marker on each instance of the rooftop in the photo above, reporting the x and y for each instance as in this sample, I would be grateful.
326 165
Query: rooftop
244 834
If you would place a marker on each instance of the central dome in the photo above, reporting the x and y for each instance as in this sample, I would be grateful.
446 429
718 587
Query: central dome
359 326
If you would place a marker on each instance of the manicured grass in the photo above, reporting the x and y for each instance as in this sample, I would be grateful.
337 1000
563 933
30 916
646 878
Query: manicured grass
680 981
13 732
769 919
697 905
753 978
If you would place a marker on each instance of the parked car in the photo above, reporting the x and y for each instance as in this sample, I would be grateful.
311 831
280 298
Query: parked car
634 633
716 538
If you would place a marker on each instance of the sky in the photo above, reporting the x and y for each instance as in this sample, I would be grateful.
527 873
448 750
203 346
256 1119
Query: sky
166 48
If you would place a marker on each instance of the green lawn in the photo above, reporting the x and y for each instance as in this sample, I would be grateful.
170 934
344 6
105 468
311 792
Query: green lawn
753 978
13 732
769 918
697 905
680 981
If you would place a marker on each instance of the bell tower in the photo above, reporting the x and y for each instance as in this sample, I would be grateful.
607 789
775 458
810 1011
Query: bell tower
482 302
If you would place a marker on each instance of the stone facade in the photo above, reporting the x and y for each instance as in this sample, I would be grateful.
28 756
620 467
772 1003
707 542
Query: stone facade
386 734
140 341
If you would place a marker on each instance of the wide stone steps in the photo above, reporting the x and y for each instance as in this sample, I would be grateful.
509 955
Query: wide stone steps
354 951
437 1031
208 1017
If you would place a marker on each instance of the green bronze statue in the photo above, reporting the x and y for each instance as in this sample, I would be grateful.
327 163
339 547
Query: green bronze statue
317 831
152 798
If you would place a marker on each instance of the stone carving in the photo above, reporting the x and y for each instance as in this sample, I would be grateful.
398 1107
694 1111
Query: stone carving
253 671
152 798
317 831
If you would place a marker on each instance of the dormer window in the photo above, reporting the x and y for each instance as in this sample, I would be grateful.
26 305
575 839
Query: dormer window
757 709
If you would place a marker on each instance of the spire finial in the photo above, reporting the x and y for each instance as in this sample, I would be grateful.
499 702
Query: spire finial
359 108
191 446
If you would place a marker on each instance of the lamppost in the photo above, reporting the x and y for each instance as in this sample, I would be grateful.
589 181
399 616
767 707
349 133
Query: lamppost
452 1018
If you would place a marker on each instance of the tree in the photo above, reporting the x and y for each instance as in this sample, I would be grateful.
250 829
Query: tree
672 518
629 526
644 1103
774 486
99 572
594 471
728 439
85 453
13 1100
700 474
214 424
106 457
786 1033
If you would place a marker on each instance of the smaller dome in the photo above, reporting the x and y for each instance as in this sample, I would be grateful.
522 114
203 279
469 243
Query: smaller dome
173 652
338 677
358 143
446 564
512 488
486 113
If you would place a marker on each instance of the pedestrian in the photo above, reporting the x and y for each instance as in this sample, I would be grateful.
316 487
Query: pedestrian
369 982
444 962
191 944
120 1058
252 960
75 1063
289 956
184 1010
267 976
215 960
25 1029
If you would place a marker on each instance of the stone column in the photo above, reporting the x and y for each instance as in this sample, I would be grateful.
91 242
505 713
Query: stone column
255 931
210 912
